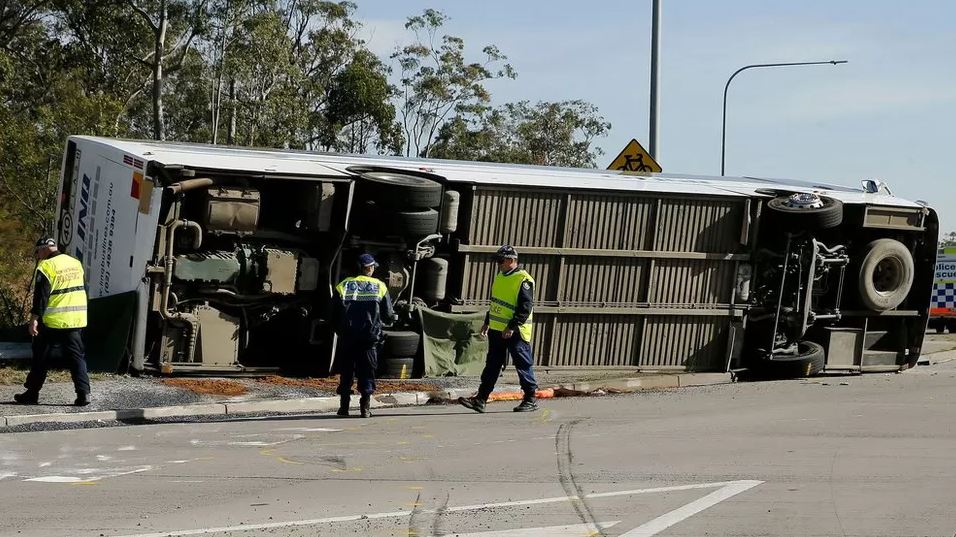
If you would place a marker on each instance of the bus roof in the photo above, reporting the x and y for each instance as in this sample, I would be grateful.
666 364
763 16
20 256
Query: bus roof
318 164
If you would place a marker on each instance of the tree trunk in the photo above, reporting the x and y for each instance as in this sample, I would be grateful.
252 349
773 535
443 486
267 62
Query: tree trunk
159 131
231 135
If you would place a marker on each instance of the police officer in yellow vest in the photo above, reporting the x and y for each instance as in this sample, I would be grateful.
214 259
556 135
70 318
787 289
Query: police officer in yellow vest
57 318
508 329
362 306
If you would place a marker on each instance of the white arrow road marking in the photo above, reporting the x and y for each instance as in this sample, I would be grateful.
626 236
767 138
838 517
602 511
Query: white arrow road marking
665 521
728 489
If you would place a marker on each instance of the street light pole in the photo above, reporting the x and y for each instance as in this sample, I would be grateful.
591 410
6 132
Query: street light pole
723 129
655 77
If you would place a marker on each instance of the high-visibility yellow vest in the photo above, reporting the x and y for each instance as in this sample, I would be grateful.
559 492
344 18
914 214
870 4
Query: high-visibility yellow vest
504 300
67 305
361 289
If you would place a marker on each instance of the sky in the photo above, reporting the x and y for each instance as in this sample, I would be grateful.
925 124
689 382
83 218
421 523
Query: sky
888 114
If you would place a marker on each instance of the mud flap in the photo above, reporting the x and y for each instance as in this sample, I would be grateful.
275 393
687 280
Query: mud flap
107 332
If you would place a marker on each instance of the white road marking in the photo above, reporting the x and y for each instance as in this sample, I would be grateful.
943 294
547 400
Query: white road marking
4 475
126 448
573 530
735 487
87 473
56 479
311 429
667 520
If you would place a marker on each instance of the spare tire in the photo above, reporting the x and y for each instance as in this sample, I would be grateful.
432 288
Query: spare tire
401 343
412 223
886 274
400 191
805 211
809 360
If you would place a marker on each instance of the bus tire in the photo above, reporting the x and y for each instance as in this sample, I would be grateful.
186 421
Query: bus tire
414 223
400 191
886 274
809 361
401 344
397 368
791 218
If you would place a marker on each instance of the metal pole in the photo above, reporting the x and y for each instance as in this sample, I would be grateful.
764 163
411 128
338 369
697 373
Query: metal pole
655 75
723 120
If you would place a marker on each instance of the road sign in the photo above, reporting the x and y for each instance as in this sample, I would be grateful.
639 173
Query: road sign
635 158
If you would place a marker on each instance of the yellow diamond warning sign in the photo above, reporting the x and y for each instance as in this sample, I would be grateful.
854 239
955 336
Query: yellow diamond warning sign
635 158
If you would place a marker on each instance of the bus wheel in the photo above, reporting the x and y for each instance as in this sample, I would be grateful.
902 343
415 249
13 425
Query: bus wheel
804 211
400 191
886 274
808 361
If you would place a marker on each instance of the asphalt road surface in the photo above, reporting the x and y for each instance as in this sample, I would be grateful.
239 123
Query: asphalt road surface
872 455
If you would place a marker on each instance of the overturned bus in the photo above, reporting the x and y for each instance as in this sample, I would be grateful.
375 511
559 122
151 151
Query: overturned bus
213 259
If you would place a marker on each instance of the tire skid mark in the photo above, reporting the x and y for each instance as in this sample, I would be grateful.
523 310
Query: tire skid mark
437 529
414 518
565 456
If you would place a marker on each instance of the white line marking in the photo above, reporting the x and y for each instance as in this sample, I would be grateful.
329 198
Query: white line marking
473 507
573 530
87 472
126 448
311 429
667 520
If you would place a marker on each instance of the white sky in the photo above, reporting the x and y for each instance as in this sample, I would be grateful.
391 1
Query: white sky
888 114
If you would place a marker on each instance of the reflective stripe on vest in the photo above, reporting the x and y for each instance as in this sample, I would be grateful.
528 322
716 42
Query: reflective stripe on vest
504 300
361 289
67 305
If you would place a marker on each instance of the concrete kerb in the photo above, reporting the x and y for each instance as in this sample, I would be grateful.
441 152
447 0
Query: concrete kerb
309 404
330 404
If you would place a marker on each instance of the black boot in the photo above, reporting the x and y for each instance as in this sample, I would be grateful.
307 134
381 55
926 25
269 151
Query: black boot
473 403
364 403
27 398
527 404
82 399
343 405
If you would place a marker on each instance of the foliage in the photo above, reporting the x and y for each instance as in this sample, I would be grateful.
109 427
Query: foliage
546 133
277 73
437 82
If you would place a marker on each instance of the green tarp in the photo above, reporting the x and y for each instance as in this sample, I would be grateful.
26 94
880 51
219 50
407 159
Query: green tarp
452 344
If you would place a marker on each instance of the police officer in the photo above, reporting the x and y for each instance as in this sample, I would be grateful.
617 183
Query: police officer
361 303
508 329
57 318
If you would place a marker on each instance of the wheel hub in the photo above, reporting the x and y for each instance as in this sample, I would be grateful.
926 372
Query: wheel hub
804 201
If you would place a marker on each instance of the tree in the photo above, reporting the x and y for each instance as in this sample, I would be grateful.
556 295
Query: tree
547 134
947 240
181 19
436 81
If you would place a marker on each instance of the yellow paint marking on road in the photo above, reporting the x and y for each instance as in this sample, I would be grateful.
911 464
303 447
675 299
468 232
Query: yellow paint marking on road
403 442
412 487
544 417
288 461
84 483
266 452
428 436
354 469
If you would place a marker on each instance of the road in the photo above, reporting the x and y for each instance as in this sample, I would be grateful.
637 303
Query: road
872 455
